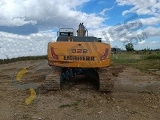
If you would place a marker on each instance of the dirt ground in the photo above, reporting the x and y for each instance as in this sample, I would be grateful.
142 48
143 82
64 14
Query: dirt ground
136 96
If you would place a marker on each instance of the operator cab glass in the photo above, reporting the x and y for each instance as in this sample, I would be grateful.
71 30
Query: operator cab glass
65 31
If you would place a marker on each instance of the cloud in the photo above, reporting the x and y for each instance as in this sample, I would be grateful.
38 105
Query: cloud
141 7
152 31
142 42
23 30
103 12
36 19
155 42
151 10
13 45
102 32
101 2
46 14
16 22
150 21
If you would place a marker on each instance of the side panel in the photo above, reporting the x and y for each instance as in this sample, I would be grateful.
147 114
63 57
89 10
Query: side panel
79 54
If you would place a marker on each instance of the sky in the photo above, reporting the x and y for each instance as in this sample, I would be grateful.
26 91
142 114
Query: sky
26 26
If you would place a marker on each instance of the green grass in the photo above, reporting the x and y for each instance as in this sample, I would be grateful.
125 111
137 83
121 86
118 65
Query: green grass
5 61
153 56
125 58
145 65
140 61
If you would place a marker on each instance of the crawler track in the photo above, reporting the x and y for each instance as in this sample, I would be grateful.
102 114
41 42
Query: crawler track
106 81
52 81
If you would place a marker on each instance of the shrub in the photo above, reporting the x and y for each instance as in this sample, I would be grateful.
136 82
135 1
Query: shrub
153 56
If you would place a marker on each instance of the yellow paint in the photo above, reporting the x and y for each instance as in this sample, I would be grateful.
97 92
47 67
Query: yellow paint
20 74
32 96
96 49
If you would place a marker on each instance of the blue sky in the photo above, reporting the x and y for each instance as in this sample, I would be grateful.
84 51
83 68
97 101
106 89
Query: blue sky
27 26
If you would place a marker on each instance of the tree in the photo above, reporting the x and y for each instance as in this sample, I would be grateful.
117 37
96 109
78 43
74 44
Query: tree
129 47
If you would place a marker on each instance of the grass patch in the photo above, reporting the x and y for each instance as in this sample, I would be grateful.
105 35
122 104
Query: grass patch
125 58
142 62
69 105
5 61
153 56
65 105
144 65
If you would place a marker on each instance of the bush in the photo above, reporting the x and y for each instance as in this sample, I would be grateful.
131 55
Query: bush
153 56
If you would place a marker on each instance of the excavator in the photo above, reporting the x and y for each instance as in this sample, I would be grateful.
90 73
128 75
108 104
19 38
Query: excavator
72 55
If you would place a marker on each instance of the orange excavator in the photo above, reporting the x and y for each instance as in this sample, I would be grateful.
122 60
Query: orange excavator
72 55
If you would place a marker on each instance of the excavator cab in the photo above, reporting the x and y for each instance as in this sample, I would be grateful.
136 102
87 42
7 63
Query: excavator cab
65 32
